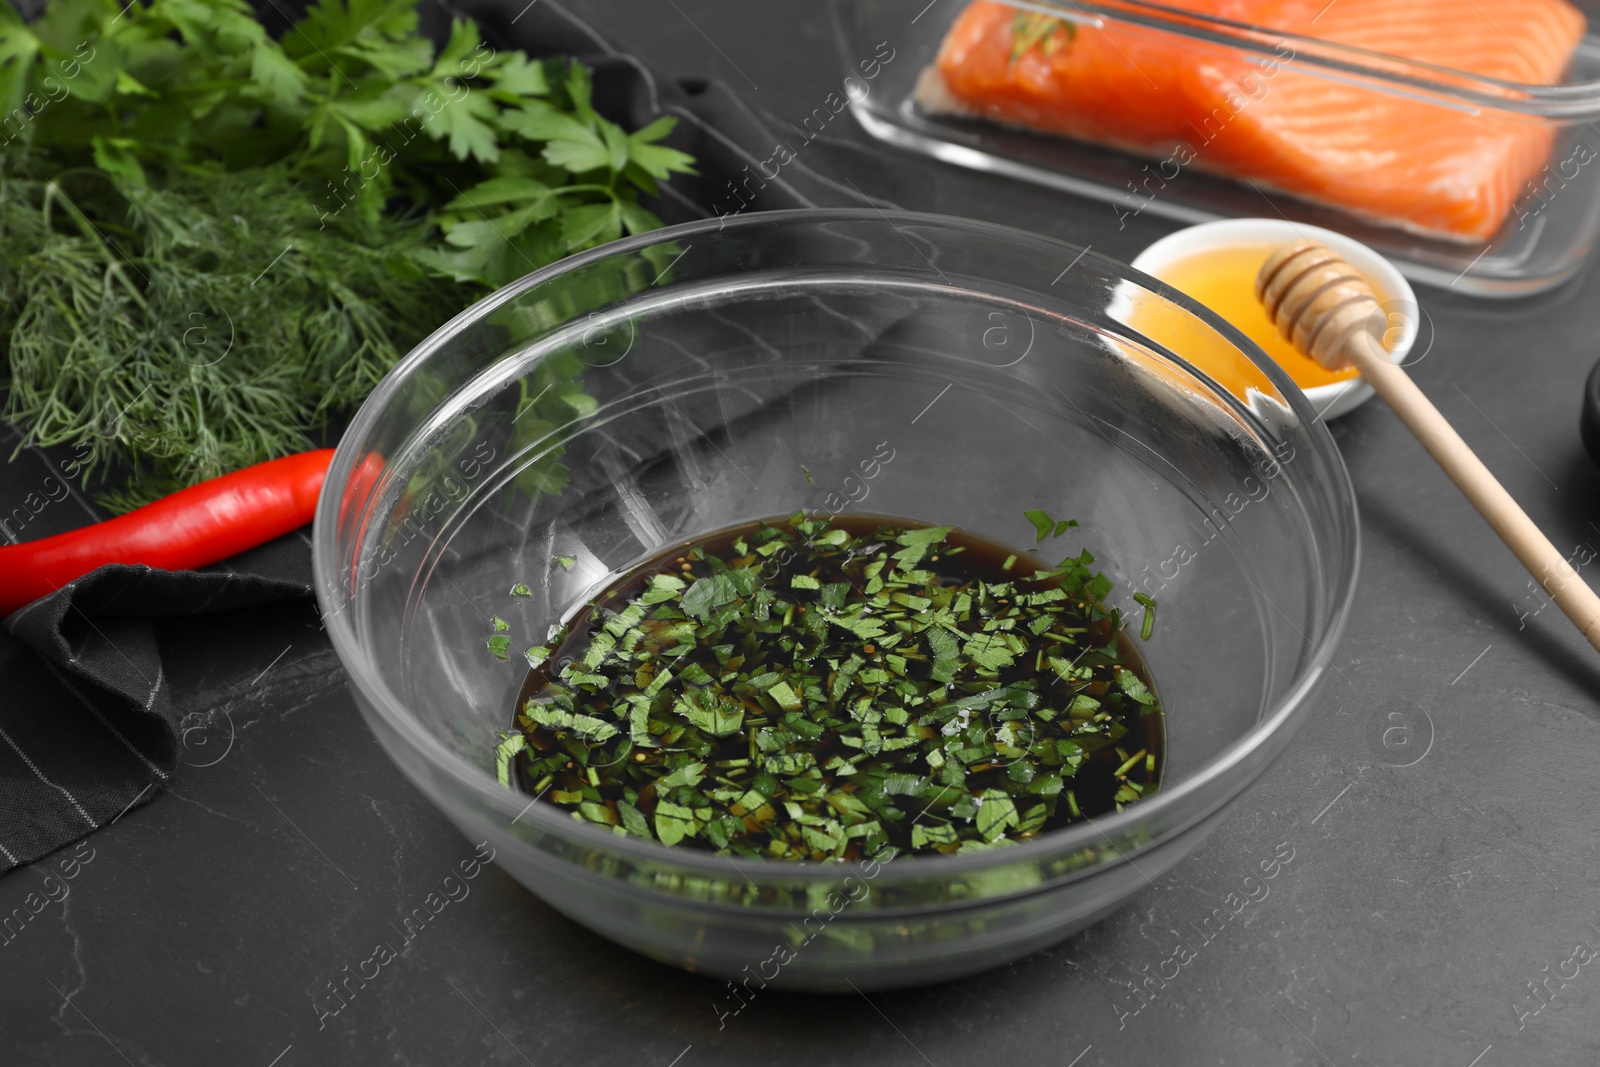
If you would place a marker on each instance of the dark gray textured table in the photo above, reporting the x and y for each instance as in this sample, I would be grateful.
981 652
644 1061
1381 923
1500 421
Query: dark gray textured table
1424 909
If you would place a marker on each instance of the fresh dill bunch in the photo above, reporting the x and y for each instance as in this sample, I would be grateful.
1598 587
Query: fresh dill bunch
199 324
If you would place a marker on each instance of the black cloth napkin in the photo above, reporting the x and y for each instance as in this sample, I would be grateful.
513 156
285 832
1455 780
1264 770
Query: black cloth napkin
101 701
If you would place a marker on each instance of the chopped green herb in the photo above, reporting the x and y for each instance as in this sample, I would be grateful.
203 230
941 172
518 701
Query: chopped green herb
521 590
1148 625
1136 689
1044 526
503 752
498 644
566 562
891 684
1032 30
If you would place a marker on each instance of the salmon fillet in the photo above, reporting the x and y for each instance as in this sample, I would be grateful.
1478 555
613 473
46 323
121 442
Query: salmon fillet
1394 160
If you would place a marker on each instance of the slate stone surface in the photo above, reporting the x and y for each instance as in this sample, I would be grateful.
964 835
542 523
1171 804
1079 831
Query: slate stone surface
1423 909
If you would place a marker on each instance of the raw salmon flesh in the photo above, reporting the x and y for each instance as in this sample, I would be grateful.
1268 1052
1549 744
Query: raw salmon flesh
1392 159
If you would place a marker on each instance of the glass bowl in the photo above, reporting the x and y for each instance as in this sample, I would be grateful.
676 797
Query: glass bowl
934 368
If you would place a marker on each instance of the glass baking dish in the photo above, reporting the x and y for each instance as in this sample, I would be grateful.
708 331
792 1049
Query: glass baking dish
1546 234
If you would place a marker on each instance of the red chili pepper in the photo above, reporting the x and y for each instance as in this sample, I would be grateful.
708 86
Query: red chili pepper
191 528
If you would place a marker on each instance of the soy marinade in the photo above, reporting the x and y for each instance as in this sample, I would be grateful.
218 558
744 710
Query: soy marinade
810 689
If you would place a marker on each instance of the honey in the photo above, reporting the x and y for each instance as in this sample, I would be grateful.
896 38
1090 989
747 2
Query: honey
1223 279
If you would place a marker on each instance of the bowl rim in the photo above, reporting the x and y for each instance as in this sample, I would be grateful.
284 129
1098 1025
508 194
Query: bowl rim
492 796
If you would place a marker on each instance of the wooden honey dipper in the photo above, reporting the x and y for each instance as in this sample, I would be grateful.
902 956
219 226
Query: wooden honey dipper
1327 310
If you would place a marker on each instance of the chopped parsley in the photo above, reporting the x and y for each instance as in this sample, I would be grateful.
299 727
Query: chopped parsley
886 683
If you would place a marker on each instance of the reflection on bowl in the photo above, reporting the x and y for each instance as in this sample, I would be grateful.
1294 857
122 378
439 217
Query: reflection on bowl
677 383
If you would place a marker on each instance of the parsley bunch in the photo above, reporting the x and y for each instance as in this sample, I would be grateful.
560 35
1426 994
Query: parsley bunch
818 693
217 240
